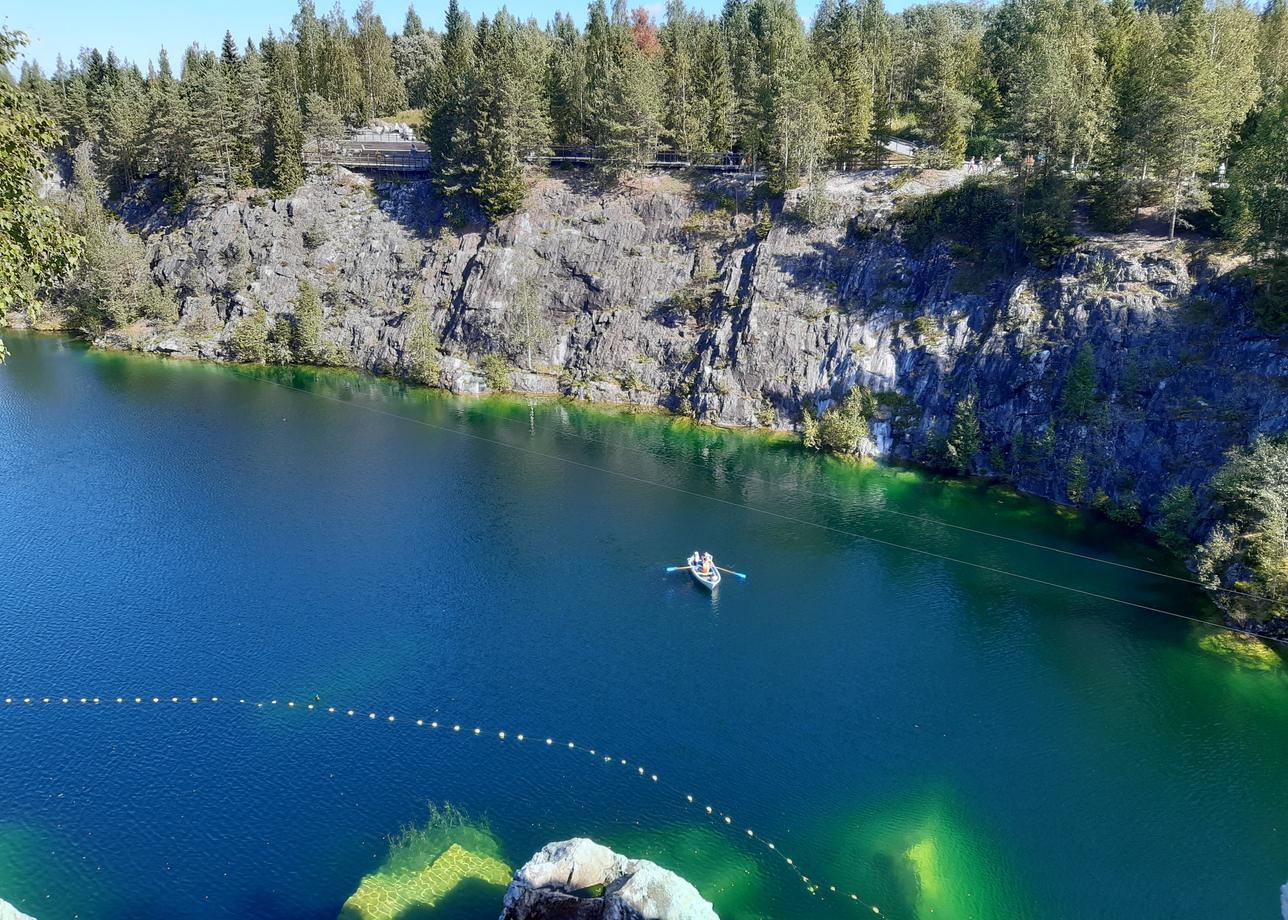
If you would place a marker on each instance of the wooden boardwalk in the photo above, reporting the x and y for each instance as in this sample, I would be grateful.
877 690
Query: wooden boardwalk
412 157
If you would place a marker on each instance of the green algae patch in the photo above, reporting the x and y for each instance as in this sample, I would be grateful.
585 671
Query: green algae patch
726 874
1244 651
389 897
922 856
449 867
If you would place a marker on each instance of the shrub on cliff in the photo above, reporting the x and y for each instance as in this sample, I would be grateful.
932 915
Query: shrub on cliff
1079 396
996 223
496 371
1176 513
964 438
845 424
1248 550
306 335
422 358
250 338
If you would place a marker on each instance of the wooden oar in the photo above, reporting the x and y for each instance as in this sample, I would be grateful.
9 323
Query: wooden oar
732 572
677 568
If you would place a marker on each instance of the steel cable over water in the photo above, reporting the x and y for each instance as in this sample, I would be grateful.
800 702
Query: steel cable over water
804 522
867 509
721 818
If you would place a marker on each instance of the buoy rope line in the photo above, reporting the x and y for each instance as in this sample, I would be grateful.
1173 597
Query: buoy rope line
792 519
925 519
717 815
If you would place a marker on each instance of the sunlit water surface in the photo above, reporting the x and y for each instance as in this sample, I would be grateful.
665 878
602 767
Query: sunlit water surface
941 740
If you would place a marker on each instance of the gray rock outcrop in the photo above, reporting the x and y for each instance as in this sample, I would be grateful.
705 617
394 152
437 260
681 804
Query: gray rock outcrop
9 912
553 885
665 292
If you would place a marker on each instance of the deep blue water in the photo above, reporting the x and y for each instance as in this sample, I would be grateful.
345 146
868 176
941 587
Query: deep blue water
941 740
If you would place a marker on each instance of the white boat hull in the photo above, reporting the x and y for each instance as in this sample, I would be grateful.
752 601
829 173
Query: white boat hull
707 581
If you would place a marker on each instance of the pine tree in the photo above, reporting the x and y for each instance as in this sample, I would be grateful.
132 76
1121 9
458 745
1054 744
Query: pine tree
1259 182
445 123
682 110
251 101
1079 396
964 439
1272 49
506 112
283 135
416 55
748 135
604 52
944 108
850 84
228 55
715 84
167 146
631 118
306 327
213 123
566 82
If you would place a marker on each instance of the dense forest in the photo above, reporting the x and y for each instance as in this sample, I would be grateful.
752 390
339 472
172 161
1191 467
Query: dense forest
1153 104
1175 110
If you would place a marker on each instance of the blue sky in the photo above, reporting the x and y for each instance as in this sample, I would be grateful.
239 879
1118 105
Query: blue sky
137 28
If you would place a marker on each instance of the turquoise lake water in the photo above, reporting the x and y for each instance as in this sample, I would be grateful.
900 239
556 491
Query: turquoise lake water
940 740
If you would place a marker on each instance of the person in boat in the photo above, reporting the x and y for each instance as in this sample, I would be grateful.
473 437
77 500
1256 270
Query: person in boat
694 558
707 563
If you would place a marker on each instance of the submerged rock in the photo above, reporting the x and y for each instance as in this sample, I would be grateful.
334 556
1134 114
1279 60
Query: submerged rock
9 912
564 880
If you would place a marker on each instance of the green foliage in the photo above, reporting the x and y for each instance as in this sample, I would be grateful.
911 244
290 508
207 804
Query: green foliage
421 355
1270 295
527 328
1258 211
306 334
845 424
1078 475
1078 399
112 285
964 439
809 429
250 338
1176 514
993 223
1250 543
36 248
496 372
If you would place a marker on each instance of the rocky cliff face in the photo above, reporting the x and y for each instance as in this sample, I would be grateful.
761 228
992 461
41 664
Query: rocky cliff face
659 292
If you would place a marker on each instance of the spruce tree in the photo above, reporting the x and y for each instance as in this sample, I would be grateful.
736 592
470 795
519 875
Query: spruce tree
306 327
445 123
283 135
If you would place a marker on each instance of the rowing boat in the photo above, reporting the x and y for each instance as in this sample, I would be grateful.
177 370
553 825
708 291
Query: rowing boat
709 580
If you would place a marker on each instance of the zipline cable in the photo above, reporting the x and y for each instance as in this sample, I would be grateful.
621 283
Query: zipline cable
765 511
868 509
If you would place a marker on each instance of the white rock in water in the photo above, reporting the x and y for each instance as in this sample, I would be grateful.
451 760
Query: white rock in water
9 912
634 889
